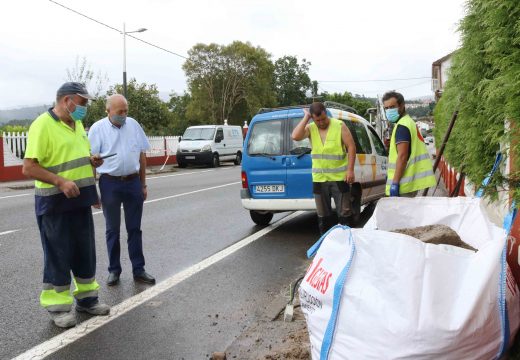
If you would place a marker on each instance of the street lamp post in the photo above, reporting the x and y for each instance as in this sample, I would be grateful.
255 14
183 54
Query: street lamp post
124 54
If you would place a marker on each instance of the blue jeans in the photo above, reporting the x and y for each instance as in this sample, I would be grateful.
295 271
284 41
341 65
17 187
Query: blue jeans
115 192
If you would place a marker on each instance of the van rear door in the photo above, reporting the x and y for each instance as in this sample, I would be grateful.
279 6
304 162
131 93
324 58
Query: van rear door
264 162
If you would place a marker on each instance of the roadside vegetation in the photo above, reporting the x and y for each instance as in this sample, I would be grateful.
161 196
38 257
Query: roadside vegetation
484 85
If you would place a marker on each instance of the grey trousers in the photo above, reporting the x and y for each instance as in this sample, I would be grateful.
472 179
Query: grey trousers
324 192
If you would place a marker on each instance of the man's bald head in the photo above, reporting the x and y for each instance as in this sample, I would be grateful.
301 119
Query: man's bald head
117 109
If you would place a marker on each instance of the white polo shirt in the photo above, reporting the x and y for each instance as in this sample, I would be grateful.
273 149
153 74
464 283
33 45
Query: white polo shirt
128 142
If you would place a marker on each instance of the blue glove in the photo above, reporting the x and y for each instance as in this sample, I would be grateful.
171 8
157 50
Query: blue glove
394 189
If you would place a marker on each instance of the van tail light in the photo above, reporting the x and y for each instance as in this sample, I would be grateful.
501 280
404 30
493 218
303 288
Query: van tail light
245 185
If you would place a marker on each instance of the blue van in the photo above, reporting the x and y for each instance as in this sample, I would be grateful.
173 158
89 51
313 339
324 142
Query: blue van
276 170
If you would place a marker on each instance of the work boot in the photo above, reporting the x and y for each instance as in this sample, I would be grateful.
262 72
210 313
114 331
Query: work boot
324 223
96 309
63 319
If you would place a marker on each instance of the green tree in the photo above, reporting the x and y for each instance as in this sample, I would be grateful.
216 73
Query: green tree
291 80
222 79
144 105
360 103
83 73
178 106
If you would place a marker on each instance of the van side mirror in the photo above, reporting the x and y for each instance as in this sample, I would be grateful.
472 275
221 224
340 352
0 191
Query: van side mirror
219 138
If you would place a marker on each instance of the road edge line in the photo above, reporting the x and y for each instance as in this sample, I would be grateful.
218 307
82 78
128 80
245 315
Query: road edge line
70 336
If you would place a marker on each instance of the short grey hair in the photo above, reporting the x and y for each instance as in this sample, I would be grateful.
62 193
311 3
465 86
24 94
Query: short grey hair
111 99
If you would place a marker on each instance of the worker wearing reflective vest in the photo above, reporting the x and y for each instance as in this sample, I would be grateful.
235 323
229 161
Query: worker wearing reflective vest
409 165
58 158
332 173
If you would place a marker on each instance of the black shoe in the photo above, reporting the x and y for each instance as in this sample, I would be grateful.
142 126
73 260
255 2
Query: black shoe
144 277
113 279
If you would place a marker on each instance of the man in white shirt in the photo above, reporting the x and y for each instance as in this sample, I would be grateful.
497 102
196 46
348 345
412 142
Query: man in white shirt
122 181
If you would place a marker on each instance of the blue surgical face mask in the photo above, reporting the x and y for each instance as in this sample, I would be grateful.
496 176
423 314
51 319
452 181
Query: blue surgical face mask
118 119
79 113
392 115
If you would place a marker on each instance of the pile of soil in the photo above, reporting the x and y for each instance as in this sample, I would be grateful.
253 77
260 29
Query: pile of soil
436 234
273 340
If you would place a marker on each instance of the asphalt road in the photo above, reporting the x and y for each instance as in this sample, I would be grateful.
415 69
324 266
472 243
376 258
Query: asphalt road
190 215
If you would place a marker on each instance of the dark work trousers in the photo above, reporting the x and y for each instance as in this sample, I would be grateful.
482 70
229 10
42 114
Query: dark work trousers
68 245
115 192
323 194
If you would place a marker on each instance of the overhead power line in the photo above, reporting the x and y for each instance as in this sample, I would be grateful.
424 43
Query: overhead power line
374 80
119 31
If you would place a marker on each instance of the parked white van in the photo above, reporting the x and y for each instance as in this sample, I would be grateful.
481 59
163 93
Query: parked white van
210 144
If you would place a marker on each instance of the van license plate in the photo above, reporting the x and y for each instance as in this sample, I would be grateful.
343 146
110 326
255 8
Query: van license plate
190 157
270 188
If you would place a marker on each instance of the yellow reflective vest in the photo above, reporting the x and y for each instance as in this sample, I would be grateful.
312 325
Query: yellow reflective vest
329 159
65 152
419 170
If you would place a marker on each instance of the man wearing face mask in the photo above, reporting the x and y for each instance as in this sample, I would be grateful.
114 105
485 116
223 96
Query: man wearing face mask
409 165
58 158
122 181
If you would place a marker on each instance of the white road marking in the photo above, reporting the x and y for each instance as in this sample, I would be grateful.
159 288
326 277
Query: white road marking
148 178
12 196
179 195
9 232
189 173
68 337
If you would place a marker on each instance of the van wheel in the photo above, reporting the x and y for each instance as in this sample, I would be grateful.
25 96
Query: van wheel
215 161
238 159
181 164
261 218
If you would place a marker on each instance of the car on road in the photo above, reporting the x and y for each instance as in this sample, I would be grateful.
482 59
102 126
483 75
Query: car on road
210 144
276 170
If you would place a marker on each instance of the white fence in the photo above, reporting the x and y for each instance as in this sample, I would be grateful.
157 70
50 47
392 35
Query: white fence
14 148
162 145
15 144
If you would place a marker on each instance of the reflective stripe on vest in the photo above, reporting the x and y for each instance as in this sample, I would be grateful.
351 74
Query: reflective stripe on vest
412 161
49 191
419 170
329 159
69 165
409 179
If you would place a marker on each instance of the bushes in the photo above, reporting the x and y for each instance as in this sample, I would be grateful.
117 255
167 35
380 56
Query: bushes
484 84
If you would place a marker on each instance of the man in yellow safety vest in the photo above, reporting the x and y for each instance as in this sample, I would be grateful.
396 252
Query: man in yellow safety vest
58 158
409 165
332 173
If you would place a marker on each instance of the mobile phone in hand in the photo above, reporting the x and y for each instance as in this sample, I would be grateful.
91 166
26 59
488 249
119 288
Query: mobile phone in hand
107 156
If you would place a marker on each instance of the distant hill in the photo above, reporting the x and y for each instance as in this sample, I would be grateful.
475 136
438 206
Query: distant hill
24 113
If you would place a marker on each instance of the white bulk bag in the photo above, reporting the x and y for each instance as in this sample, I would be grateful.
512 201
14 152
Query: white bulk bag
374 294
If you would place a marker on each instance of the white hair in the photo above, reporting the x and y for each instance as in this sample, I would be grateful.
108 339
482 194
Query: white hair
112 98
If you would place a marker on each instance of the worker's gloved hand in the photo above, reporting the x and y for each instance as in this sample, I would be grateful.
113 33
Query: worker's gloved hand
394 189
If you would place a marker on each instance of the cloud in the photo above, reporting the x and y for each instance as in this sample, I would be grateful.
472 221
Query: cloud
344 40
